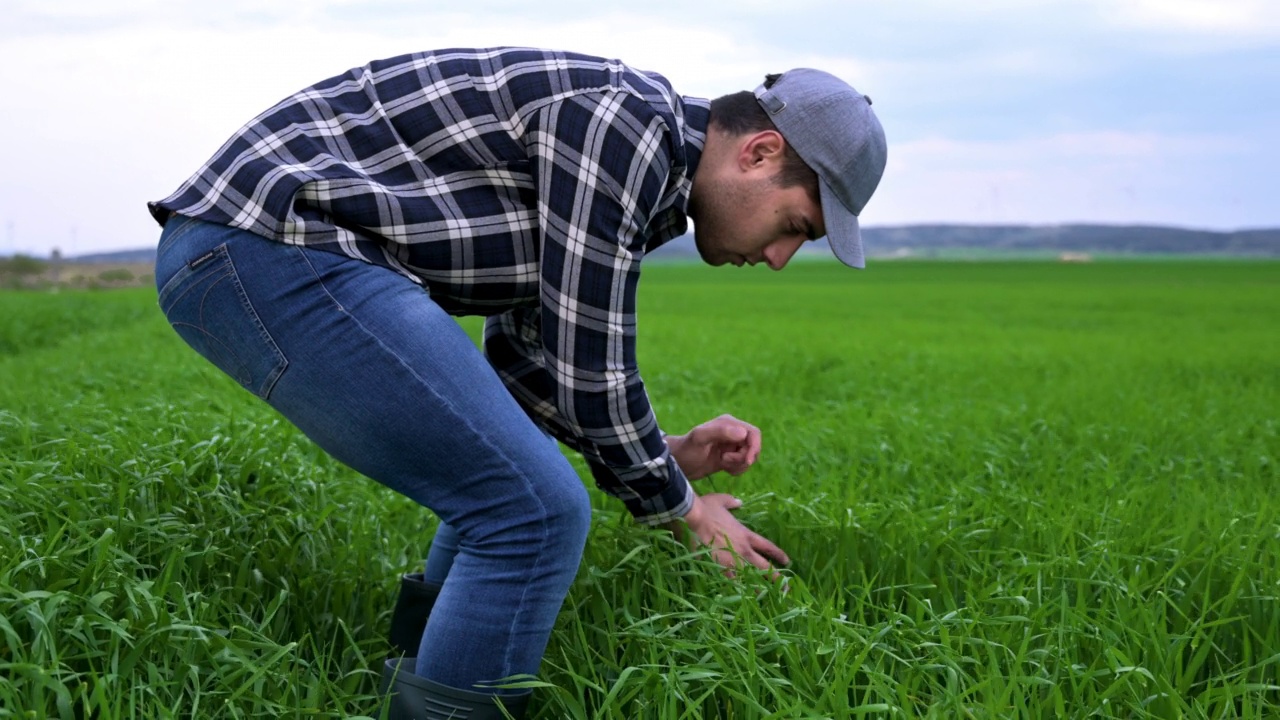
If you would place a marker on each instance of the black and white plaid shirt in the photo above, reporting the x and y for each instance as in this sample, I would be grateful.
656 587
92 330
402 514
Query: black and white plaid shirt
520 184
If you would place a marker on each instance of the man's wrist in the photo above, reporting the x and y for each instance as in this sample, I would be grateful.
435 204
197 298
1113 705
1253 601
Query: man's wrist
693 511
693 515
675 443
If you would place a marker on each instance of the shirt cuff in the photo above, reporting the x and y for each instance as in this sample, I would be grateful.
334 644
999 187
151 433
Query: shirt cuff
672 503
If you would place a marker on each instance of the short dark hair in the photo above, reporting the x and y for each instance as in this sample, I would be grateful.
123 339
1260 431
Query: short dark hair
740 113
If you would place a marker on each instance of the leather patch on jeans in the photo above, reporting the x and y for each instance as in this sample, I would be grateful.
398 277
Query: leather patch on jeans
200 260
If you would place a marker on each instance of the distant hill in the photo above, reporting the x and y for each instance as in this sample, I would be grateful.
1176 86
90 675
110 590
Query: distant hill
1136 239
147 255
926 240
933 240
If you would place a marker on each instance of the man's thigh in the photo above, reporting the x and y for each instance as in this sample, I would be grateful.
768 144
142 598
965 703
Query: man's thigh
376 373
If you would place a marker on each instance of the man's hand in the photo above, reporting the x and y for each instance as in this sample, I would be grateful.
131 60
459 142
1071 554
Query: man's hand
725 443
711 523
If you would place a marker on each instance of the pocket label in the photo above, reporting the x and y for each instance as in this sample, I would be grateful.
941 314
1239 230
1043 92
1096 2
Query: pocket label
200 260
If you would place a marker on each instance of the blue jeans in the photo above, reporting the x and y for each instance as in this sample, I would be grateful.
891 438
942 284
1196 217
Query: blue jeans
364 363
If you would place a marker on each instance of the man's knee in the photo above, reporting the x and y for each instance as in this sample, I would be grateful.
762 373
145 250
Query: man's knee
554 510
565 508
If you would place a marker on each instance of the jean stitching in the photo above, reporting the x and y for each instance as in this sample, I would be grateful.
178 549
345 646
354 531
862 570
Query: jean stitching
242 373
303 254
186 224
183 283
521 607
282 362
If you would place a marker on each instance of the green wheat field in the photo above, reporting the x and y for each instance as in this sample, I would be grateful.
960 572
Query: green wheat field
1009 489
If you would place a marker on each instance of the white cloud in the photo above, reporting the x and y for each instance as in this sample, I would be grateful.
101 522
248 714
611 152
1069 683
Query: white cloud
1239 18
110 104
96 123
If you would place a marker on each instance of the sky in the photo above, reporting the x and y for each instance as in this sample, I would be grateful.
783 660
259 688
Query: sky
996 111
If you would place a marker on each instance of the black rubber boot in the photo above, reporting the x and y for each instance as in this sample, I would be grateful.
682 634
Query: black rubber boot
410 697
409 618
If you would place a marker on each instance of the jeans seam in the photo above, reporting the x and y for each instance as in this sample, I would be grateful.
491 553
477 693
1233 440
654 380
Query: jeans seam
302 253
269 382
226 270
185 222
537 565
184 276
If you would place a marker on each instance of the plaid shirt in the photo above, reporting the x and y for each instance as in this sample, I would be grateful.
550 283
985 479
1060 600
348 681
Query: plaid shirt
520 184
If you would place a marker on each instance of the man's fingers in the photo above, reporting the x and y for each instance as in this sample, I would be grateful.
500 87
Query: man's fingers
757 559
725 444
723 432
727 560
764 546
754 442
734 463
731 543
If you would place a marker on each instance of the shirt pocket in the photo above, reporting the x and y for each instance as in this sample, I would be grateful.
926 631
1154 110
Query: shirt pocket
207 306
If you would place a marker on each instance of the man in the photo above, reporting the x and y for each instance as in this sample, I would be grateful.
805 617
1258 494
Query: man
317 256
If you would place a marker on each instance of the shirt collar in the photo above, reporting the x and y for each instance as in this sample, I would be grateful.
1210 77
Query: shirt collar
697 116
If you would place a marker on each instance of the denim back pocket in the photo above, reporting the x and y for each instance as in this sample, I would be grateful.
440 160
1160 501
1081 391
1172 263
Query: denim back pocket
207 306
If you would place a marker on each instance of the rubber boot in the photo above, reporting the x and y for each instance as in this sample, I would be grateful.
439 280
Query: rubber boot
409 618
410 697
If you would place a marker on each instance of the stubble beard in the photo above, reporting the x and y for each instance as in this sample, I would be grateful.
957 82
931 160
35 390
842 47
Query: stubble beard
715 202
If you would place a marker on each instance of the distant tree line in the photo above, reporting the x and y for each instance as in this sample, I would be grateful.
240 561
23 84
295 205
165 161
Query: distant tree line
21 271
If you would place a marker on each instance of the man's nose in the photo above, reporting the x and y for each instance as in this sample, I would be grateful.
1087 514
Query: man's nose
778 254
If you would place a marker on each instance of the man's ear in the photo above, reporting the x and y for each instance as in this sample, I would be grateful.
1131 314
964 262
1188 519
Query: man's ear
759 152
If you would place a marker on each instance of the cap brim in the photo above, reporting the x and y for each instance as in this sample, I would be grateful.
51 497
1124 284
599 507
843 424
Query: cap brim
843 232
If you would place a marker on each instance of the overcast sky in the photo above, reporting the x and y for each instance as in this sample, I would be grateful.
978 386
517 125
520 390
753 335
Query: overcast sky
996 111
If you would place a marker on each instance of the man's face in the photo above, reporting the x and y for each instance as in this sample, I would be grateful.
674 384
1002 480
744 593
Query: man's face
742 217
